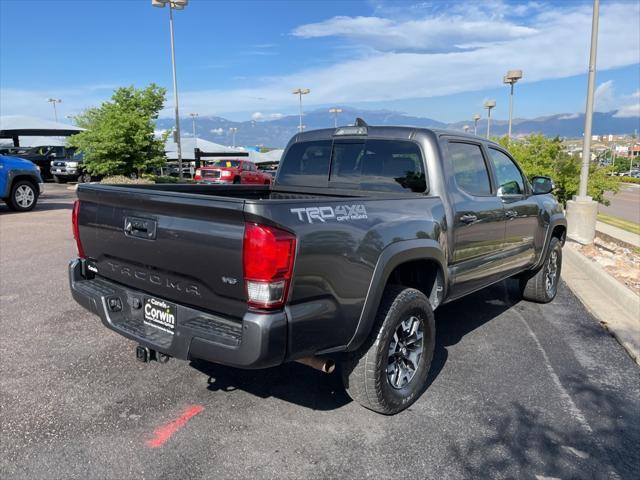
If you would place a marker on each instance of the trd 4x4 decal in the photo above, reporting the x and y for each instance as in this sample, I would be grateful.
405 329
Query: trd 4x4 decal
341 213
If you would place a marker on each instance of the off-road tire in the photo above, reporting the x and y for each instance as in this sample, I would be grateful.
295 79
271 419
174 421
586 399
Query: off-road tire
13 201
534 286
364 372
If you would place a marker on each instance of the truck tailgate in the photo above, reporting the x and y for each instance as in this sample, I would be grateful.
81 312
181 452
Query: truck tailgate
177 246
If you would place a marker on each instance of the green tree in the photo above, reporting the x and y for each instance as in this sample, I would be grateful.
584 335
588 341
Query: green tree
539 155
119 138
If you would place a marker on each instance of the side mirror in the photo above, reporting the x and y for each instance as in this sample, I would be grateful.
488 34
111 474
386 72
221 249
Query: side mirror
52 156
542 185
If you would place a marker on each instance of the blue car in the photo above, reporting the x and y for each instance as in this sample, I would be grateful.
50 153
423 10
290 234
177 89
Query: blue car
20 183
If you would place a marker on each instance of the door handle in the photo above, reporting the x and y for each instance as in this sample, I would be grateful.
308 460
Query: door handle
468 218
511 214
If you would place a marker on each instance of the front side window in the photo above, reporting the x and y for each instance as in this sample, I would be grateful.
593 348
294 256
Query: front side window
508 176
469 168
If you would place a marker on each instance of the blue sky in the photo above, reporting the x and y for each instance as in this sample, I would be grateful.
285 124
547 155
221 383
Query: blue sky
241 59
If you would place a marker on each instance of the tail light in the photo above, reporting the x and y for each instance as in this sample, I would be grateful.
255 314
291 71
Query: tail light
198 175
75 228
268 255
226 173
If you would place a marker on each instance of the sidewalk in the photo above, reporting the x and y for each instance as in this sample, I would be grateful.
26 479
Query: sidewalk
618 234
615 305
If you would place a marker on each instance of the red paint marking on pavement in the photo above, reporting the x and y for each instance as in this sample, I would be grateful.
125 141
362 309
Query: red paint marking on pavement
164 433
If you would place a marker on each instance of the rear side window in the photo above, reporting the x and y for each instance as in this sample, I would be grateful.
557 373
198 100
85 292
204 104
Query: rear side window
469 168
383 165
306 164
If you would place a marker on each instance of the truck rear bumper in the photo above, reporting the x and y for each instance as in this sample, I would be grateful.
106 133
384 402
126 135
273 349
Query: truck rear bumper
257 341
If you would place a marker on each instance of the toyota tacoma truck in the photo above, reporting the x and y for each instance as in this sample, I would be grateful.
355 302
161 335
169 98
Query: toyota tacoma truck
364 233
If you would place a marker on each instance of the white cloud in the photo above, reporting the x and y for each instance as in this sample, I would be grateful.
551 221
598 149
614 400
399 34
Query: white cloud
466 48
275 116
570 116
257 116
218 131
431 34
558 48
630 109
604 97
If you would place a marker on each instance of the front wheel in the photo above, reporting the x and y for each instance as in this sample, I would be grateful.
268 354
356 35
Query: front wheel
84 178
23 197
389 372
542 285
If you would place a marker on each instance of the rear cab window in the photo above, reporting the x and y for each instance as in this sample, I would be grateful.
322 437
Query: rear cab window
362 164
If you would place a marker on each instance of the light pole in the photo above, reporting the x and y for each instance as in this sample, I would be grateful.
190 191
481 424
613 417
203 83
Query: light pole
511 78
489 104
70 118
476 119
193 121
53 102
300 92
233 131
335 111
582 210
174 5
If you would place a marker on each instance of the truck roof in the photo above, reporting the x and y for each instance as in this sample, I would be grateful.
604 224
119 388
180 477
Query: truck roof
397 132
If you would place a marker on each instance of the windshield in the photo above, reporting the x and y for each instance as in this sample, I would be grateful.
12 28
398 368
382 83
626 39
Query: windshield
225 163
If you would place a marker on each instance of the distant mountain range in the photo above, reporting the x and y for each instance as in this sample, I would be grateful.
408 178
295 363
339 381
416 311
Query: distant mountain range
277 132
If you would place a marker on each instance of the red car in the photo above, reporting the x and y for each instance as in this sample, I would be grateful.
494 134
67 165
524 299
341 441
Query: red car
232 171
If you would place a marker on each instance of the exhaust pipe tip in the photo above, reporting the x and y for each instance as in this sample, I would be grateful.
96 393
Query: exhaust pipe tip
325 365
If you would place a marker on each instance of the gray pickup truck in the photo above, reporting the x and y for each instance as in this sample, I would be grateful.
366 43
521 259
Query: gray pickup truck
364 233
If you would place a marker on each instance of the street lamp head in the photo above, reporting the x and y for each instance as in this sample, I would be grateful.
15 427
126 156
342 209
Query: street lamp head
489 104
175 4
476 117
512 76
301 91
335 110
466 128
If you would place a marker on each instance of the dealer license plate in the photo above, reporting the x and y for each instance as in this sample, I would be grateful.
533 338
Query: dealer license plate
160 314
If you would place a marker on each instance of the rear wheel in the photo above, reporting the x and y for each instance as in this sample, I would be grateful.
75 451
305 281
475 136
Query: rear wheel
542 285
389 372
236 180
23 197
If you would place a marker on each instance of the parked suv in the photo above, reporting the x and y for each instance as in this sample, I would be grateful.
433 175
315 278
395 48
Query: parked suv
20 183
232 171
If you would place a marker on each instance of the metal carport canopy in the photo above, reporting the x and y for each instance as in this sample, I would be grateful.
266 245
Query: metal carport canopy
15 126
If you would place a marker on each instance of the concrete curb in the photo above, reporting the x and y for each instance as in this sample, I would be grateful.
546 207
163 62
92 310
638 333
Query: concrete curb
617 307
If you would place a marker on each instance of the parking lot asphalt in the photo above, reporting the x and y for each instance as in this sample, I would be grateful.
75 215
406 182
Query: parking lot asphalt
517 390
